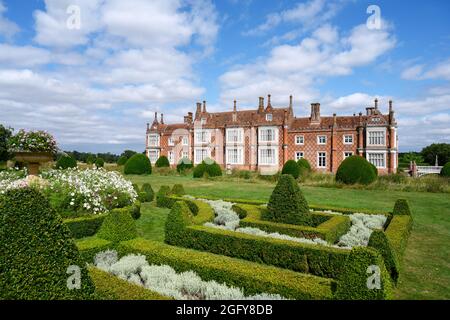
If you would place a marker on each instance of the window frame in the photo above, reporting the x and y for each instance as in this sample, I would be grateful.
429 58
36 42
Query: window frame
208 154
318 139
371 153
299 143
207 132
239 156
345 136
298 158
153 135
275 135
351 154
157 155
275 156
318 160
239 135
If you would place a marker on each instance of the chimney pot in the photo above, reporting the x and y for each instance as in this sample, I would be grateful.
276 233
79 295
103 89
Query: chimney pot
376 103
162 118
234 107
204 106
290 101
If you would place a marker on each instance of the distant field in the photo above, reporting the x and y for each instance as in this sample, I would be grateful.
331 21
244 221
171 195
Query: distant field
427 261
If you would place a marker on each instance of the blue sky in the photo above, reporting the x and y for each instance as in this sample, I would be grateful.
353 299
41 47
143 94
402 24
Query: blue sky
96 86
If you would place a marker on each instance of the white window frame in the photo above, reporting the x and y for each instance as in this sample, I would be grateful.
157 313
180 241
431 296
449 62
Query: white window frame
275 135
344 138
373 130
185 154
153 136
370 153
274 161
171 142
302 140
171 156
269 117
345 156
203 121
297 157
185 140
156 157
321 136
206 132
240 135
196 150
239 157
318 160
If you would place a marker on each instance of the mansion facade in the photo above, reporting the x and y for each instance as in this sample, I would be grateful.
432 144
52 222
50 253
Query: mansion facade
266 137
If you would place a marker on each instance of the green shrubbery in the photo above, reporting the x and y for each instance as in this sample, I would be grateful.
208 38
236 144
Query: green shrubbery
84 226
148 191
397 233
355 169
445 171
99 163
162 162
287 203
354 279
379 241
118 226
401 207
122 160
163 197
291 167
36 250
305 167
209 168
65 162
184 164
178 190
135 210
138 164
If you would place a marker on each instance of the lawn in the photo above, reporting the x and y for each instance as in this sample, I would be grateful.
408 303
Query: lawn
426 273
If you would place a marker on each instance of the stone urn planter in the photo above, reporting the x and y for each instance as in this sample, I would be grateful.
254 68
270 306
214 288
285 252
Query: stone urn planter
33 160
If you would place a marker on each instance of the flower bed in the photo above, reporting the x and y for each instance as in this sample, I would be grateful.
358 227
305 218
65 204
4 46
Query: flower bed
73 192
32 141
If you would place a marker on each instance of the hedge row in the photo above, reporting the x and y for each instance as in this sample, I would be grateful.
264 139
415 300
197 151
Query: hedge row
110 287
84 226
88 248
89 225
318 260
252 277
329 227
397 233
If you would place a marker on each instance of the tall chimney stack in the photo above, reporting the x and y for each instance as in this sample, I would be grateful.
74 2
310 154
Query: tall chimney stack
204 106
376 103
261 104
315 112
162 118
234 106
290 102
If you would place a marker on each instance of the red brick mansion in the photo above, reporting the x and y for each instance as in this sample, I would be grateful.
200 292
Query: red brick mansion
266 137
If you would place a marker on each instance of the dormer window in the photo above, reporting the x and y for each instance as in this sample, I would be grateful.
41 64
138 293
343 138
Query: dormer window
269 117
203 121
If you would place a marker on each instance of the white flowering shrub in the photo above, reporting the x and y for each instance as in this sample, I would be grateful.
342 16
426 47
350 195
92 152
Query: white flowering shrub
12 179
166 281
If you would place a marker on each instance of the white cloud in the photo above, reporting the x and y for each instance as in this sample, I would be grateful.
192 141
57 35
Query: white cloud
297 68
421 72
7 28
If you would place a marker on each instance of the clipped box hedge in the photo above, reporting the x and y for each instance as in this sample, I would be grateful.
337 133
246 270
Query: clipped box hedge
329 227
84 226
398 232
110 287
89 247
252 277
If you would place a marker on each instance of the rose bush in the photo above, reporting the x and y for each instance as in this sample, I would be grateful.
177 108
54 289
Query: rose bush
32 141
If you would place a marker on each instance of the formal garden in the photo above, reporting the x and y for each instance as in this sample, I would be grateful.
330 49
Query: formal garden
143 231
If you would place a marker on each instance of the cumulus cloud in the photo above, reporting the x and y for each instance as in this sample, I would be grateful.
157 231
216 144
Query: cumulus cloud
422 72
7 28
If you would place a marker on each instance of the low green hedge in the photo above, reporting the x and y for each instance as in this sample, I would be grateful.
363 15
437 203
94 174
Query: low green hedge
401 207
379 241
84 226
358 274
397 233
110 287
318 260
163 199
118 226
329 227
252 277
89 247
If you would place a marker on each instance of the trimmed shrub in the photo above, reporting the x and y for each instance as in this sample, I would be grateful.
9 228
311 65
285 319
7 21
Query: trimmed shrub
397 233
199 170
65 162
379 241
445 171
184 164
122 160
192 206
89 247
149 193
142 196
135 210
252 277
84 226
355 169
178 190
136 188
162 162
303 163
375 170
99 163
356 275
118 226
401 207
287 203
36 250
138 164
163 199
180 216
110 287
291 167
213 170
241 212
90 159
